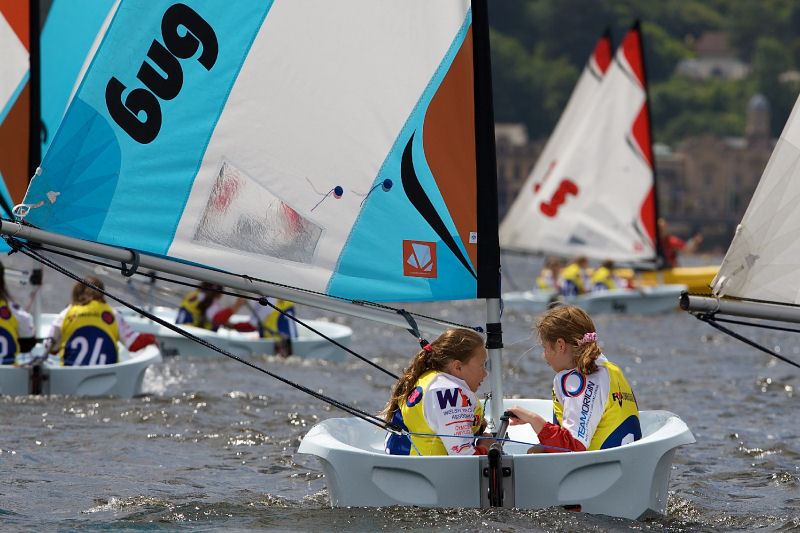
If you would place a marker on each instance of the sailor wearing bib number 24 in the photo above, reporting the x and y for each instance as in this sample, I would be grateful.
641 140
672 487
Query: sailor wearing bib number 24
593 406
86 332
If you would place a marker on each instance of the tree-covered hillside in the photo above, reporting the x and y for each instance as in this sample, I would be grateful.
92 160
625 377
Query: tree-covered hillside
540 46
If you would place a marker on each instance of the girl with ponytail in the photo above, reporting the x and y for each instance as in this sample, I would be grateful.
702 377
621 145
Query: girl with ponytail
593 405
434 400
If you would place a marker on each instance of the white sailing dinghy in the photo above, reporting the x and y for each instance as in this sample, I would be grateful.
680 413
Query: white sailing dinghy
66 41
592 192
317 152
759 278
36 374
307 344
123 379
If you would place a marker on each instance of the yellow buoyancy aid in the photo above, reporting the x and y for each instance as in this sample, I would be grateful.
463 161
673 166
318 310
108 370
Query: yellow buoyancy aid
276 325
603 276
89 335
414 419
9 337
620 415
189 311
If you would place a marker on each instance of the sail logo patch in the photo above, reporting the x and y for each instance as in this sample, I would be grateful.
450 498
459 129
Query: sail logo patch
566 187
414 397
573 383
419 259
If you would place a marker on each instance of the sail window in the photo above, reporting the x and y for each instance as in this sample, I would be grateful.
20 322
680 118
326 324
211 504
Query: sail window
244 215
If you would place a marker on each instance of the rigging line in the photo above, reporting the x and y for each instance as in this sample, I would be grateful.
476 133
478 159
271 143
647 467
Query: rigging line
753 300
497 439
762 326
265 302
709 319
364 303
153 276
368 417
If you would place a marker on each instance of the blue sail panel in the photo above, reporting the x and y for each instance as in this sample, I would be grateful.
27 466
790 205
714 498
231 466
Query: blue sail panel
69 31
160 140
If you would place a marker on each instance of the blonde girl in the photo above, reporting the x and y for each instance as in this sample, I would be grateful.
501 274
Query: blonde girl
593 405
86 332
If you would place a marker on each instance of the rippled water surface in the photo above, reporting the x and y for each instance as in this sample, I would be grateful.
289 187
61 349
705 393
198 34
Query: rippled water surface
212 446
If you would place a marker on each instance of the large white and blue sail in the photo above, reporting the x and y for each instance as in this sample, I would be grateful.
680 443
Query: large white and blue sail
323 145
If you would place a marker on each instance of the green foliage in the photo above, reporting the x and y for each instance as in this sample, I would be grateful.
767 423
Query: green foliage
539 48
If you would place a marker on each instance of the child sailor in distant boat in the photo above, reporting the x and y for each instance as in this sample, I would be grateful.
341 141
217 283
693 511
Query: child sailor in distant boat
548 279
435 399
16 326
202 309
275 323
86 332
575 279
593 405
671 244
605 278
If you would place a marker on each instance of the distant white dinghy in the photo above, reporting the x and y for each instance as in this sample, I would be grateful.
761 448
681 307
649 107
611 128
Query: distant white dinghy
629 481
592 192
647 300
123 379
307 345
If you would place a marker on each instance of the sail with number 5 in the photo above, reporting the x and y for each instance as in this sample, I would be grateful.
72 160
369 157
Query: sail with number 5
599 198
592 192
514 229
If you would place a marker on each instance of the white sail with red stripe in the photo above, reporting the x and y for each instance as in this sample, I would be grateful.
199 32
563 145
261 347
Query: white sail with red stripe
593 193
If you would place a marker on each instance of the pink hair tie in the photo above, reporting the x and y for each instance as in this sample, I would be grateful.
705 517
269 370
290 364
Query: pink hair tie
427 348
587 338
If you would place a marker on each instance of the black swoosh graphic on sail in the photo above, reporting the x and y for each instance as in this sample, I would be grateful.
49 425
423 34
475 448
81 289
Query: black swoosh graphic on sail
416 195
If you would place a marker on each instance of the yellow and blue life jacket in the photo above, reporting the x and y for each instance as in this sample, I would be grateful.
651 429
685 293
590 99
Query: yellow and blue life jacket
620 414
603 279
9 338
411 417
277 325
189 311
89 335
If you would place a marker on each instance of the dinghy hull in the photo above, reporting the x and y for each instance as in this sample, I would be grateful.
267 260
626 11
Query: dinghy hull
307 345
123 379
644 301
630 481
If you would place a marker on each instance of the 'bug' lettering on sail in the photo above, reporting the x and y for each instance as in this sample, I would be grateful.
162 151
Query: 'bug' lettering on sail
198 33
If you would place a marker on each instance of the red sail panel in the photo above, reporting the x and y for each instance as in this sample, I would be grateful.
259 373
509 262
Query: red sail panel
16 14
449 140
603 54
14 129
